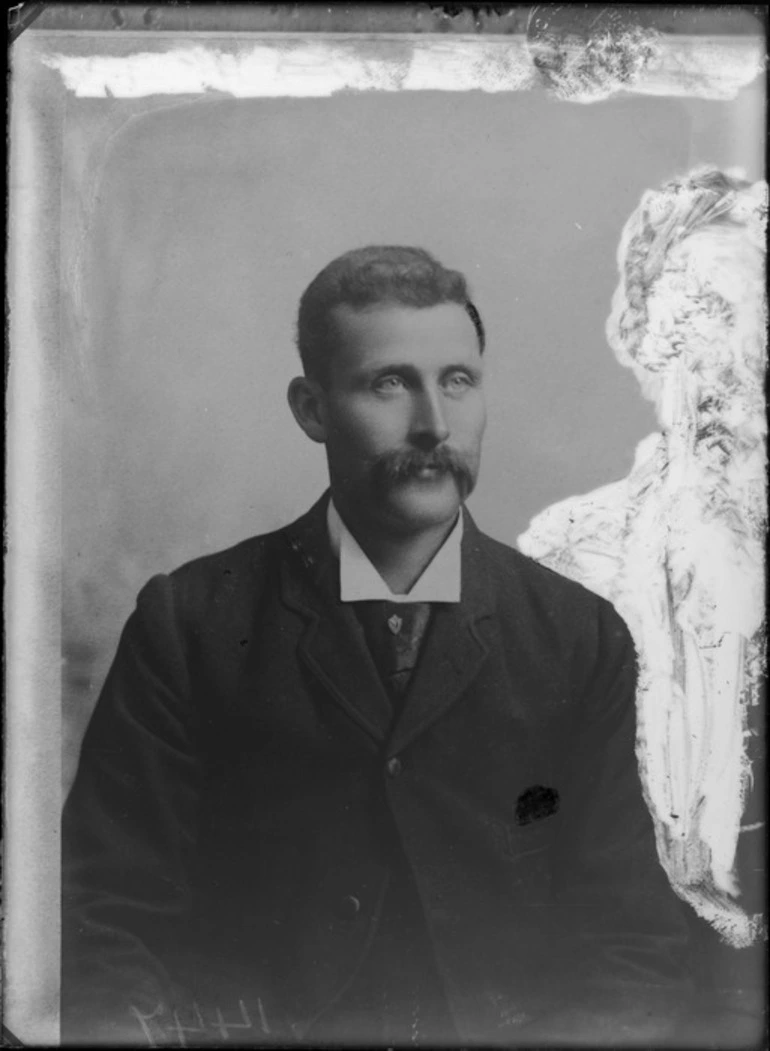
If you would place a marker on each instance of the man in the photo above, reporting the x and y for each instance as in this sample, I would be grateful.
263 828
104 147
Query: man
370 779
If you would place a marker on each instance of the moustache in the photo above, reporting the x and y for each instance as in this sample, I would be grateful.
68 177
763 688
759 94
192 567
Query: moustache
392 468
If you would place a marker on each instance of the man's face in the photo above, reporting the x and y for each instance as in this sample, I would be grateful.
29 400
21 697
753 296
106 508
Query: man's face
404 414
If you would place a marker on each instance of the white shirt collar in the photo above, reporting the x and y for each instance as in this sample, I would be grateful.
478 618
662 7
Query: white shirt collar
360 581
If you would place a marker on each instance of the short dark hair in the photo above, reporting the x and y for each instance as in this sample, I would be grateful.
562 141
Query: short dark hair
378 274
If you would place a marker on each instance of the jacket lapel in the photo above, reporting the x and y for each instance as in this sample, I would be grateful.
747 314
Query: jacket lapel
333 647
457 644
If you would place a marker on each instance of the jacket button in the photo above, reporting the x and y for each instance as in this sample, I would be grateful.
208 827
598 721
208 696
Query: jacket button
394 766
348 907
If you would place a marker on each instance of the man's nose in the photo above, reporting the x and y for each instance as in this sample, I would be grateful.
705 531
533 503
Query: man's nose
429 423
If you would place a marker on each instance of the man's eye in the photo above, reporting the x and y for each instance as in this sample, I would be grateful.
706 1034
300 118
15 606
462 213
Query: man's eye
458 381
388 384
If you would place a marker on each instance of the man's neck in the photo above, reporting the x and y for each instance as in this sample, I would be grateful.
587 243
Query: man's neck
399 559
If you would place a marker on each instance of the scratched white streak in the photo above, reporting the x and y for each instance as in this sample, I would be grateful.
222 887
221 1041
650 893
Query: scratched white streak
682 66
305 69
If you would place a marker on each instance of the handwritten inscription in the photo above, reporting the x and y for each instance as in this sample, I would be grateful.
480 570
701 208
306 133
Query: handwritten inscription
163 1027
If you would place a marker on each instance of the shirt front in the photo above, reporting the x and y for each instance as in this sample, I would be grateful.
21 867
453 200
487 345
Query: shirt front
360 581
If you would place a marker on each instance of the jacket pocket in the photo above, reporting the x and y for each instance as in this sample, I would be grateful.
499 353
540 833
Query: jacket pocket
515 842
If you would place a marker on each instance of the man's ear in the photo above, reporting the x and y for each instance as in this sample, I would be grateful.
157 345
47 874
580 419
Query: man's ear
307 402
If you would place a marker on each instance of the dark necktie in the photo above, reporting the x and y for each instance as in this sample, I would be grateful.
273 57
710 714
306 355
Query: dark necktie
394 632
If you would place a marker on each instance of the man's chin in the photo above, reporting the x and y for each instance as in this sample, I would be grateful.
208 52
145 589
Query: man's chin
426 502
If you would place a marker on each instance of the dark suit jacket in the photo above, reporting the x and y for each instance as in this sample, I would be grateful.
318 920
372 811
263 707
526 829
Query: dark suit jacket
228 839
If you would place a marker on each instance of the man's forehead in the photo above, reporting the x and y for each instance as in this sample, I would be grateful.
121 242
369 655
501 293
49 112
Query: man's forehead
392 323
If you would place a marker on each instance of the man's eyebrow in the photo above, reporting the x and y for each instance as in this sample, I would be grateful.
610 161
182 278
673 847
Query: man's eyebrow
393 366
410 370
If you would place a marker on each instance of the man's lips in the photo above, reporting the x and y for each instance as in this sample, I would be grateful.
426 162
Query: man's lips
429 473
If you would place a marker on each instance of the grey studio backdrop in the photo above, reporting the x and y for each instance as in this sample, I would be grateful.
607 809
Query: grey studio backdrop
188 234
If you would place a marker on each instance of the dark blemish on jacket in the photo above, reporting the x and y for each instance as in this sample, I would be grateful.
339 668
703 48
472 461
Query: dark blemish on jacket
535 803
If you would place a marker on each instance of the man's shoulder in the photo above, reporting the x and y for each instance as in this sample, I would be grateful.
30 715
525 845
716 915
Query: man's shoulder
242 557
512 568
223 580
247 559
531 596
